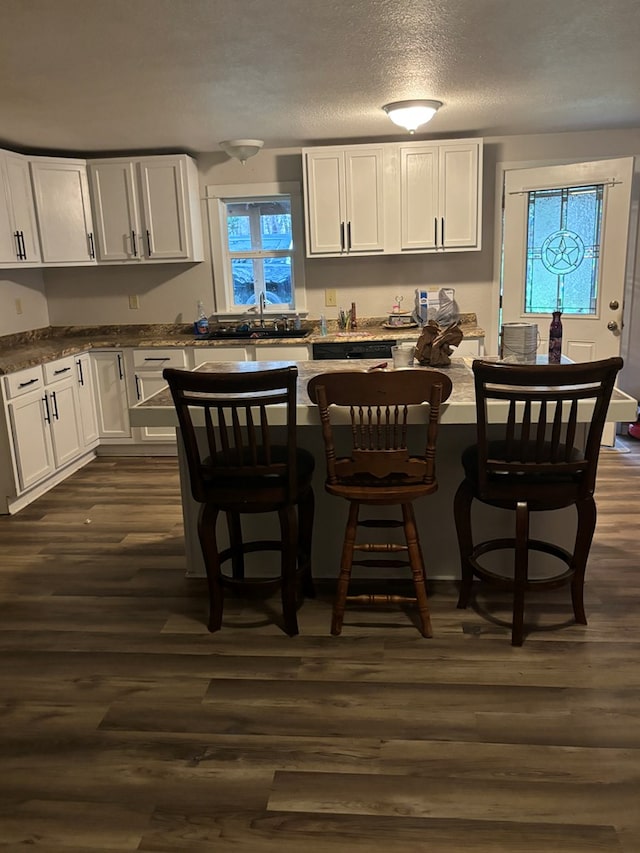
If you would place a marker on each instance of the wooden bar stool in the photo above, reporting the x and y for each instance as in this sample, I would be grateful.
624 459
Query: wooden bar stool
534 461
237 466
369 463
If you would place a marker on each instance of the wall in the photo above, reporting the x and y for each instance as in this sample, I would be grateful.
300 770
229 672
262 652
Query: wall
168 293
27 288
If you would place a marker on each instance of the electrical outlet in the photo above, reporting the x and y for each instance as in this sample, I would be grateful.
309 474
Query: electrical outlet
330 298
18 306
134 302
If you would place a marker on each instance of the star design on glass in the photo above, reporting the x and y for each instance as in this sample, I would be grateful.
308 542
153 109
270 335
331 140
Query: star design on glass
562 252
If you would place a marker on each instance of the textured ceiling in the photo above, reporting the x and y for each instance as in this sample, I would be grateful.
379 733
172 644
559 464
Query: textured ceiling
115 75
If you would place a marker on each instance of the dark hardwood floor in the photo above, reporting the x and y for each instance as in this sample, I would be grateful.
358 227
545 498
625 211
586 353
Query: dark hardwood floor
125 725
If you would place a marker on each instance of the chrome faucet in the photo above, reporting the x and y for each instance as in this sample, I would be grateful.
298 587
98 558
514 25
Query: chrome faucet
262 309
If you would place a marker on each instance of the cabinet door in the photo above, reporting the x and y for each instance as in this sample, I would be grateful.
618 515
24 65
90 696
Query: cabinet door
205 355
9 246
296 352
115 211
146 385
18 230
112 406
86 401
419 197
65 421
163 183
29 417
365 200
459 196
63 211
324 202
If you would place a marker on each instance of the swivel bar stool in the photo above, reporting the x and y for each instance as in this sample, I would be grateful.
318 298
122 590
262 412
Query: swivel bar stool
238 466
542 456
369 463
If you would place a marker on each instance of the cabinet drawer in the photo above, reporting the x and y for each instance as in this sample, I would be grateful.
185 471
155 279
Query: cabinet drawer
30 379
62 368
158 359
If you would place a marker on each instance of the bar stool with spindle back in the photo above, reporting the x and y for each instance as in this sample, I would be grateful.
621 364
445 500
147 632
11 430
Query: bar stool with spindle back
239 462
369 462
532 461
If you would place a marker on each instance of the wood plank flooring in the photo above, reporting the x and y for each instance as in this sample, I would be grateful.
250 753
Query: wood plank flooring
125 725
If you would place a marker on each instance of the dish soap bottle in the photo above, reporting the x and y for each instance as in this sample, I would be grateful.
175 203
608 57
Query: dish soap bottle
555 338
201 325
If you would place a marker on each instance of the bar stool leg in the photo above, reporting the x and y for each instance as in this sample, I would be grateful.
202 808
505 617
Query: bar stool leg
345 568
288 561
207 535
462 513
586 525
416 562
234 526
306 510
521 572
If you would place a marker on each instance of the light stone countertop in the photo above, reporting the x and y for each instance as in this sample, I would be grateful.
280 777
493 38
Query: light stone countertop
27 349
460 408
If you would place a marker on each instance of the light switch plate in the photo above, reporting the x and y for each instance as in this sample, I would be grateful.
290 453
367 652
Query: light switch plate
134 302
330 298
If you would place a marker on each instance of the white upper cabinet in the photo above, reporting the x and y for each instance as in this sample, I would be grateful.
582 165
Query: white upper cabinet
440 196
344 200
146 209
63 211
393 198
18 230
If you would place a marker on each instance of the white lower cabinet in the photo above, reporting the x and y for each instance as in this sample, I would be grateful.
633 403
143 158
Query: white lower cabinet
86 401
63 411
212 354
30 436
41 435
292 352
112 404
148 365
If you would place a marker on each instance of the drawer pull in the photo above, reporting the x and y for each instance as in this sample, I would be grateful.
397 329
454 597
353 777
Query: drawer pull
61 370
29 382
157 358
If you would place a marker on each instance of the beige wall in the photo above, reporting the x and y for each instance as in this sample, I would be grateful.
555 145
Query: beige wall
168 293
25 287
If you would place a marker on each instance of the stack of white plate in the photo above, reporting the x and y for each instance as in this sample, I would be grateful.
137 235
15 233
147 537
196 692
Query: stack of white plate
519 342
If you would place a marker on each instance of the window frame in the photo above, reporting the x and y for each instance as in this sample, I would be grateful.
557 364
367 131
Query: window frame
217 197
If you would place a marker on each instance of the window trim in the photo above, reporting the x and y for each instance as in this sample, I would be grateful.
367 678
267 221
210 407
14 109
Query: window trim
216 198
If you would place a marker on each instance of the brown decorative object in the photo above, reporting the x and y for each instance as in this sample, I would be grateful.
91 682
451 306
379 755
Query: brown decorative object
434 344
371 464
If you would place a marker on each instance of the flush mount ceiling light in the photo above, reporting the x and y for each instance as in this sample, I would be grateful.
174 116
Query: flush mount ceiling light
241 149
412 114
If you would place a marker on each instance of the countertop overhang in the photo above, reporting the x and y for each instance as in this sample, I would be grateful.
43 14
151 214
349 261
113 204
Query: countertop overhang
158 410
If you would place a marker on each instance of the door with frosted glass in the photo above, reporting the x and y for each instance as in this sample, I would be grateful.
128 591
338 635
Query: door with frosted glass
565 249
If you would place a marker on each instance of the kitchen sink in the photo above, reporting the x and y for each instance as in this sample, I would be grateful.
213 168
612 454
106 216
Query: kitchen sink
256 334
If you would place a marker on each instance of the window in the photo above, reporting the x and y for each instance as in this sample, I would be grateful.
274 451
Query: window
563 249
256 240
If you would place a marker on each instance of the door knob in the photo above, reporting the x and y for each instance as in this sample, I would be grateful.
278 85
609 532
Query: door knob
614 304
612 326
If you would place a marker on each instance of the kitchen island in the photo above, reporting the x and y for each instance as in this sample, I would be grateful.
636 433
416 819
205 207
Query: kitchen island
434 514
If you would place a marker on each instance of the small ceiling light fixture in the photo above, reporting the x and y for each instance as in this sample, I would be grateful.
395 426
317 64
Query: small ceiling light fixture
412 114
241 149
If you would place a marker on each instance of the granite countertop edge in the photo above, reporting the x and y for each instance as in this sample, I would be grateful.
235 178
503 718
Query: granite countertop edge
28 349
